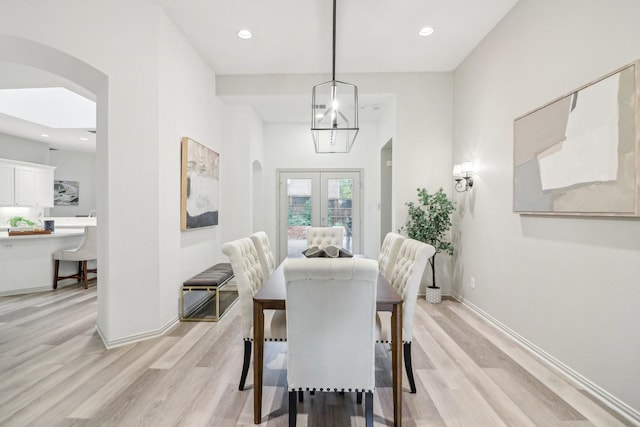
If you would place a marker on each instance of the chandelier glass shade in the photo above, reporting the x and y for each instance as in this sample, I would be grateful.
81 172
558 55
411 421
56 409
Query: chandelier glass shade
334 111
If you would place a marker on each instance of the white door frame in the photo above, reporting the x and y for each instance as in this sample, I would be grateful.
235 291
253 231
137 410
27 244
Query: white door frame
318 202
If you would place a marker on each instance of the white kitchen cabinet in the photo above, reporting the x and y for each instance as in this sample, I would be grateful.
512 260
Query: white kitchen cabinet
6 184
44 187
26 184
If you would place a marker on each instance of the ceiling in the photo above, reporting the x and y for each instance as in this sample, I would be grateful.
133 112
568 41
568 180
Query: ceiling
13 76
295 36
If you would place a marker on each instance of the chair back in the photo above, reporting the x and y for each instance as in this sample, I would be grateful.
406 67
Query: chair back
331 308
265 254
89 247
406 276
325 236
389 252
249 276
86 251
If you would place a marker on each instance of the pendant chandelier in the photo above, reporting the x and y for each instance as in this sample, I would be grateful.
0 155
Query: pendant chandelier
334 108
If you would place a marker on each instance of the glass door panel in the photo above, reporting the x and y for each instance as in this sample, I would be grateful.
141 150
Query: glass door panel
318 199
339 196
298 214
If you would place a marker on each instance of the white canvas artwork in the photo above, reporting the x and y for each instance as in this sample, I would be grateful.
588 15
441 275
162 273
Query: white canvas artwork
578 155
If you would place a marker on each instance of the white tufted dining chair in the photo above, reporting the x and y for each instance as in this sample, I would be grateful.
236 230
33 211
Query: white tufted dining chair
405 279
249 276
265 254
87 251
325 236
331 311
389 252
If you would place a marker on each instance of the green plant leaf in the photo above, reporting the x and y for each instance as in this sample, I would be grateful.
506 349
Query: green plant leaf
14 221
429 221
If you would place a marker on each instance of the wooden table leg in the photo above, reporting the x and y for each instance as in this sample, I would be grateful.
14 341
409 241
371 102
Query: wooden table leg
258 359
396 362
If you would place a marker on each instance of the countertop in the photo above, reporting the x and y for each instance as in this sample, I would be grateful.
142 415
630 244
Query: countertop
65 232
72 221
62 222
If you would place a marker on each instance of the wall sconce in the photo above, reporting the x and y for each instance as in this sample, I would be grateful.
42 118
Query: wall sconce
463 171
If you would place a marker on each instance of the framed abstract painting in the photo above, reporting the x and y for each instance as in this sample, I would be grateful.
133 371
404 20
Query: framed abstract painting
66 193
200 185
579 154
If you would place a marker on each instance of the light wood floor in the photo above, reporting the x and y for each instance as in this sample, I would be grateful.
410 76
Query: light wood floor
54 371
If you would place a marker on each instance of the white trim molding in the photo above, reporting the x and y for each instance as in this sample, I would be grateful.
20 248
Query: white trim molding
138 337
596 391
25 291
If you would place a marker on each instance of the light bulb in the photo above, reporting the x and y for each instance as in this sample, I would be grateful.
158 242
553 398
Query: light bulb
334 106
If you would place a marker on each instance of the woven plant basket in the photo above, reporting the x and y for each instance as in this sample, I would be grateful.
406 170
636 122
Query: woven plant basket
434 295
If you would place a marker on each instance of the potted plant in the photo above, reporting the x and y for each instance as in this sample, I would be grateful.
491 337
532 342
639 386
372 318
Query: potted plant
429 221
20 221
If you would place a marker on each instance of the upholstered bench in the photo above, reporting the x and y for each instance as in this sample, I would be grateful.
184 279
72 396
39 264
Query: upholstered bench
220 294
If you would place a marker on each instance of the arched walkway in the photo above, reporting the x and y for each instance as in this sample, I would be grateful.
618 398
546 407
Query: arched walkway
24 52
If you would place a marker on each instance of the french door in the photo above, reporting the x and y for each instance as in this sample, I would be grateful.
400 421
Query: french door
328 198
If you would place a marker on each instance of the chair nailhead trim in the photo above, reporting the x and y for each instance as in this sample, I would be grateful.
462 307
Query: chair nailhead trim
335 389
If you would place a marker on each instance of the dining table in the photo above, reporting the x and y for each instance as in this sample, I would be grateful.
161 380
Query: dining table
272 296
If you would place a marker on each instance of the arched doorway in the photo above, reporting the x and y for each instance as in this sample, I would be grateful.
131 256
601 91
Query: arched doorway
24 52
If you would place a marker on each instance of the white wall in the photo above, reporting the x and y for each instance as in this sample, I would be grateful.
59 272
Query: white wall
188 107
568 285
129 54
420 125
242 144
23 150
290 146
80 167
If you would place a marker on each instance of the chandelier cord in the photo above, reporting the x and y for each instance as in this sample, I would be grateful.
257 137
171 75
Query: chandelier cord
333 75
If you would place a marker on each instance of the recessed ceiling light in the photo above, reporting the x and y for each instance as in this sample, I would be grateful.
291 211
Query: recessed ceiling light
245 34
84 139
426 31
44 135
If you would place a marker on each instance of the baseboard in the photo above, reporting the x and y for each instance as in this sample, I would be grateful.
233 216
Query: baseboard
138 337
599 393
44 288
25 291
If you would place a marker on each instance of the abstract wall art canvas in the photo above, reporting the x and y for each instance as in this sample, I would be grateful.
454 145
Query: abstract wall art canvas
200 185
579 154
66 193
